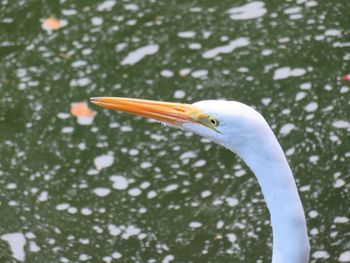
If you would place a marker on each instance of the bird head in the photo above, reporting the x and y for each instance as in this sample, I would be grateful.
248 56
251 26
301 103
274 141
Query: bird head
228 123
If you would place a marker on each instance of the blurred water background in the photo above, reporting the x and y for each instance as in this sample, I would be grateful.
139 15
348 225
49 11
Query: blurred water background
116 188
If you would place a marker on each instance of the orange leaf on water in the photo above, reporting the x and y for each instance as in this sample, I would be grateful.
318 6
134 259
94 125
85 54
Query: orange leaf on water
81 109
51 23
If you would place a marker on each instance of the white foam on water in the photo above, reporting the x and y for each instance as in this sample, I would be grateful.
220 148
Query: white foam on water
119 182
101 191
205 193
17 242
231 237
195 224
62 206
145 185
186 34
179 94
166 73
332 32
341 124
84 257
300 95
114 230
151 194
194 46
131 230
230 47
199 163
312 106
131 7
134 191
43 196
248 11
345 256
85 120
313 214
286 72
287 128
171 187
188 155
184 72
67 129
116 255
339 183
63 115
266 101
81 82
320 254
103 161
11 186
86 211
33 247
341 220
292 10
232 201
168 258
201 73
240 173
145 165
106 5
137 55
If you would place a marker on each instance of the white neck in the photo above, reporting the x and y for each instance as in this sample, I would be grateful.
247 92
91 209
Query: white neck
265 157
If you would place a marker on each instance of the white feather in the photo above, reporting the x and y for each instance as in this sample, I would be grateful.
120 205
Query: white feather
245 132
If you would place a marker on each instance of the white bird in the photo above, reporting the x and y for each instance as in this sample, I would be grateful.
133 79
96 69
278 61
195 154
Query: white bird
244 131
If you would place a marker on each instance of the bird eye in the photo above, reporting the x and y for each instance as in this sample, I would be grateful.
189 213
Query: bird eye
208 121
213 121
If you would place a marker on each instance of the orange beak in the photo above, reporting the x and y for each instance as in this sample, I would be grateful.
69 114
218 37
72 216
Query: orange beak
168 112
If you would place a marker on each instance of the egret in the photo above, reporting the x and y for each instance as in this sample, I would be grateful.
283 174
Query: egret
245 132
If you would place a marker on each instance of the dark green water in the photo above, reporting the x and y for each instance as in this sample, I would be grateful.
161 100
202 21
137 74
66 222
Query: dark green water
124 189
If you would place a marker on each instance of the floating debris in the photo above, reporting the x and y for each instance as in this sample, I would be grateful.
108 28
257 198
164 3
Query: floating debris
346 77
83 113
51 23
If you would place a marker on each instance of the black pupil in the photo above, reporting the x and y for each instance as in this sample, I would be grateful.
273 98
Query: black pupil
213 121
